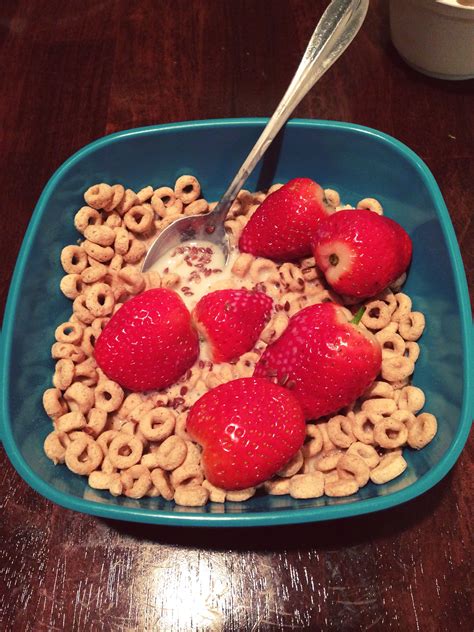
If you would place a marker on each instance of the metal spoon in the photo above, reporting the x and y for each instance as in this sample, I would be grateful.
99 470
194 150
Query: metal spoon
336 29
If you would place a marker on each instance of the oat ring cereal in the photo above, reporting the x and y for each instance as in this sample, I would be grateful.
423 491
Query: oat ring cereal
404 305
187 189
61 350
71 285
100 300
377 315
340 431
64 373
108 396
338 487
101 235
192 495
366 452
397 368
327 461
158 424
390 466
71 421
139 219
422 430
371 204
94 273
363 426
350 465
293 466
133 280
98 195
102 254
136 481
198 207
171 453
160 480
96 421
383 406
242 264
186 475
118 192
392 344
80 310
136 444
102 480
390 433
411 326
162 198
73 259
105 439
87 216
55 446
124 451
83 455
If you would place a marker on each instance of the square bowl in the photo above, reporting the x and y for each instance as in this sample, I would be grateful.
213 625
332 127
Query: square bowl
358 162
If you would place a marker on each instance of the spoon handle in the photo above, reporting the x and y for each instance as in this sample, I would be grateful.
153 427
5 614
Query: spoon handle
336 29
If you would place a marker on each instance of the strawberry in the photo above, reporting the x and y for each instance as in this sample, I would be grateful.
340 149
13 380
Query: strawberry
248 428
327 361
149 343
231 321
361 253
282 226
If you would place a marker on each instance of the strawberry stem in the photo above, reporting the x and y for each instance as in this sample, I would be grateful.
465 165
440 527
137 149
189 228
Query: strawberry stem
357 317
333 259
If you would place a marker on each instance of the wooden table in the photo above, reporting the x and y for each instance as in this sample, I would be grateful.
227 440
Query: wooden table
73 71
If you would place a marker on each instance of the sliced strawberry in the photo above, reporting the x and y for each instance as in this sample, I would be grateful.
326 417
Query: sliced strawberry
361 253
282 227
248 428
232 321
324 359
149 343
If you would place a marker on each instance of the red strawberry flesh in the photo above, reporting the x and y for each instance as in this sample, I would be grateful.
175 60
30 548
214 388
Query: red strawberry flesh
282 226
149 343
361 253
232 320
326 361
248 428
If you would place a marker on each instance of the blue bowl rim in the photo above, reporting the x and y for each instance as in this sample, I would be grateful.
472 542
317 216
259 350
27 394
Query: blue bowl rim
266 518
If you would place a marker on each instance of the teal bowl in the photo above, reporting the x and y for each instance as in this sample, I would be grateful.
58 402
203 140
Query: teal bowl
358 162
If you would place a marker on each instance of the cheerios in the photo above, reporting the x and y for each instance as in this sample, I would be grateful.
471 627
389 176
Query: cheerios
83 455
391 465
158 424
390 433
125 450
422 431
73 259
187 189
412 326
98 195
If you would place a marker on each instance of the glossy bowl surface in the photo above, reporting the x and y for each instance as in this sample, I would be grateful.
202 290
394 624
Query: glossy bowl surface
358 162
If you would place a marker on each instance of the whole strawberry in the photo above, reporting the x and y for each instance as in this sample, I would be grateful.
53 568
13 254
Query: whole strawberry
361 253
282 226
149 343
326 360
248 428
231 321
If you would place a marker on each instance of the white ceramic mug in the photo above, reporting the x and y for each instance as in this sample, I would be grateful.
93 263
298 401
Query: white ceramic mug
435 37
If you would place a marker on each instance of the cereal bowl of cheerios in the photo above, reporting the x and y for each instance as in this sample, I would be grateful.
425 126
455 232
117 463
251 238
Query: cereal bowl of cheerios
86 428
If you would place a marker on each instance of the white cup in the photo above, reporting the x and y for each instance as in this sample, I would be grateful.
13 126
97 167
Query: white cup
435 37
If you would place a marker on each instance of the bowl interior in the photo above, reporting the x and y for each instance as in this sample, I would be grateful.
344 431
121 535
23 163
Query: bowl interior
357 162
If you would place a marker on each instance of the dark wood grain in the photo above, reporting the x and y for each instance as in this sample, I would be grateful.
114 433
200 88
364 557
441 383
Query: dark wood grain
72 72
